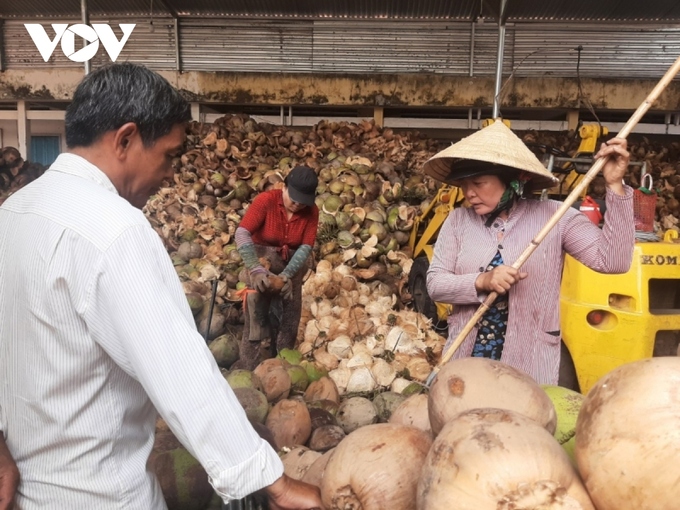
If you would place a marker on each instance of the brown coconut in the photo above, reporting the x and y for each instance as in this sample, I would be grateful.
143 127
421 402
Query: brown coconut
496 459
297 461
276 384
323 389
315 473
470 383
412 412
375 468
290 423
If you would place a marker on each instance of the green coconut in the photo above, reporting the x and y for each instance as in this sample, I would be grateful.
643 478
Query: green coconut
225 350
292 356
343 220
220 225
332 204
386 402
189 235
326 219
325 174
413 389
184 483
567 406
254 403
177 260
345 239
217 180
240 378
195 301
298 378
378 230
393 217
241 191
314 372
336 186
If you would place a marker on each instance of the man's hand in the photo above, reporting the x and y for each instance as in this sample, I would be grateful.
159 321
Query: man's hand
289 494
9 477
499 279
259 279
616 165
287 289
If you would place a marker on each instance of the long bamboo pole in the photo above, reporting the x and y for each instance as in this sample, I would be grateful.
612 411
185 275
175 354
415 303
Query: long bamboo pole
568 202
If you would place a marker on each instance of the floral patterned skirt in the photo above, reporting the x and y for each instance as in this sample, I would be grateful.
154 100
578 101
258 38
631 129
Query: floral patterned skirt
493 324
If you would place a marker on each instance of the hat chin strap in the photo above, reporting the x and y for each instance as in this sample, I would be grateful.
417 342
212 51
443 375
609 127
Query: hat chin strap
514 190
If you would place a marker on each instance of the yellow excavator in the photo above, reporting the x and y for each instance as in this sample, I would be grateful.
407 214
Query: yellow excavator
607 320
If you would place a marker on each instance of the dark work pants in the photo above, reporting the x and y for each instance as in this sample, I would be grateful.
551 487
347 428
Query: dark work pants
268 310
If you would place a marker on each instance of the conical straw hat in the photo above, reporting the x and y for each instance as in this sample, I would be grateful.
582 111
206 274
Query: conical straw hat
495 148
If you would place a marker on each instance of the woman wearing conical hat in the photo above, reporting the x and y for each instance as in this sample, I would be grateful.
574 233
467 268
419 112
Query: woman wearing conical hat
477 245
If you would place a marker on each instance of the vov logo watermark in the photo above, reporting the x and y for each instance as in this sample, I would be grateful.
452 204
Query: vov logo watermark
93 34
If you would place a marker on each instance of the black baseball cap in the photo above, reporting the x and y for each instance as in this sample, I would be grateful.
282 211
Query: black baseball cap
302 182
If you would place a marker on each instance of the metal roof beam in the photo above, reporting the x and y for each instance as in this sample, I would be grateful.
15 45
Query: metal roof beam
170 8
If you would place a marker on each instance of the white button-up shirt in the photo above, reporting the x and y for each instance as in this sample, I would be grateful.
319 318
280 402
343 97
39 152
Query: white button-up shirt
95 336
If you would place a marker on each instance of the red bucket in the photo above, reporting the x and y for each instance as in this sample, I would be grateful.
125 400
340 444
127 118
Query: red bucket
591 209
644 206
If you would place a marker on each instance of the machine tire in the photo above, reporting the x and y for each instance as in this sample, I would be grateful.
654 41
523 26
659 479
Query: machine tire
567 377
417 286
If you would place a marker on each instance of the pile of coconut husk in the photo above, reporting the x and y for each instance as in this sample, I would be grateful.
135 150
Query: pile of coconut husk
370 192
15 172
662 163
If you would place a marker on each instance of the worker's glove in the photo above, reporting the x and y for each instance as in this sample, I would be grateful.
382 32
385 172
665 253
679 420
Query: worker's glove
287 289
259 279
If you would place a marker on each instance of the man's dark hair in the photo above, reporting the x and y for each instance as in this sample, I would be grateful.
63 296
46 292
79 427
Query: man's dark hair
120 93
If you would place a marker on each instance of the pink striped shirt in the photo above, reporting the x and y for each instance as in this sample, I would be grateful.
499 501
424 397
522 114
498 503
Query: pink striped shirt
465 247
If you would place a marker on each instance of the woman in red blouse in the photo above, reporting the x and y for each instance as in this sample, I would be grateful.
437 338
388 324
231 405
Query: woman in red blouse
278 231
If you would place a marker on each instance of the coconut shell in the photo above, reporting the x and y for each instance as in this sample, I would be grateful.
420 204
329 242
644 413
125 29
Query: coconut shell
290 423
321 417
326 437
327 405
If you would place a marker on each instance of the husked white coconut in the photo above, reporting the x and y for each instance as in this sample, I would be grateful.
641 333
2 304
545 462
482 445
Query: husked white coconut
383 373
400 384
398 340
361 380
340 377
341 347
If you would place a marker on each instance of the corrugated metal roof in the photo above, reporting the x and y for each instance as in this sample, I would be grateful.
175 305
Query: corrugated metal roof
517 10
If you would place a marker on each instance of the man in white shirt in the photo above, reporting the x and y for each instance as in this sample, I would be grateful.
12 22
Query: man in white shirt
96 334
